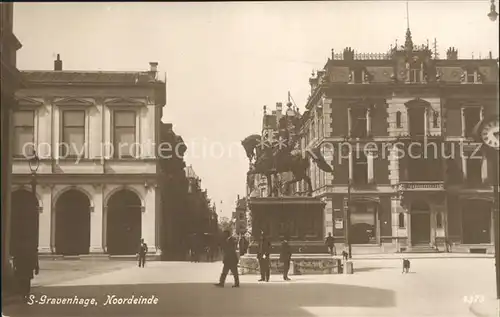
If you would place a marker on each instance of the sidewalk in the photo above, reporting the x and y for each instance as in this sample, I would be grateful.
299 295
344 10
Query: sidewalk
399 256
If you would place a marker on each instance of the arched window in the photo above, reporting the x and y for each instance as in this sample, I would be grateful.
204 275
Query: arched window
398 119
439 220
401 220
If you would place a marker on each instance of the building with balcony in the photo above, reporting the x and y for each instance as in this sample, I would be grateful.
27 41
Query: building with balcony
398 132
94 133
10 82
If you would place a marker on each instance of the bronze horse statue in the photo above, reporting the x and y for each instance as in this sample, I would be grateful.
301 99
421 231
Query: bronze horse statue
270 161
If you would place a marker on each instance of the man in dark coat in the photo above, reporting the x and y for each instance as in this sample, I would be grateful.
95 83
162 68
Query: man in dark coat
25 264
143 250
230 260
330 243
285 257
263 257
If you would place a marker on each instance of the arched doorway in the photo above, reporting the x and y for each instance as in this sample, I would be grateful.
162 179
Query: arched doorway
476 221
420 222
72 223
24 221
363 228
123 223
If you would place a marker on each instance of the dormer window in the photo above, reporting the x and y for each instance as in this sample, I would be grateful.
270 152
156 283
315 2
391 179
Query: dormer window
471 76
415 75
356 76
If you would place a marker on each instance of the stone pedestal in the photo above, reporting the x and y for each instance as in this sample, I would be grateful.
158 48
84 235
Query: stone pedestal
301 264
298 219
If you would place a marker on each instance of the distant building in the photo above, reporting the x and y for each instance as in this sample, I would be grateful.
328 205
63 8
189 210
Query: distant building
380 104
240 216
173 188
95 134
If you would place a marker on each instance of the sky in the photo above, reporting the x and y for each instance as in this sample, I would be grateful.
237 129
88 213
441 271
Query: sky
224 61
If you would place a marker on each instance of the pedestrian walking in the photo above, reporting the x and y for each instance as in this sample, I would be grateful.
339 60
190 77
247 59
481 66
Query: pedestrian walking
285 257
230 260
330 243
25 264
263 257
406 266
143 250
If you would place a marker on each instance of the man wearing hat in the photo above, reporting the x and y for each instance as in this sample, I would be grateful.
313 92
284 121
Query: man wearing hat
263 257
285 257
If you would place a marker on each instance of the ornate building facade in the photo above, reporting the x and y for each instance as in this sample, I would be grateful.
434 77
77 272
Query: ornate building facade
397 128
94 134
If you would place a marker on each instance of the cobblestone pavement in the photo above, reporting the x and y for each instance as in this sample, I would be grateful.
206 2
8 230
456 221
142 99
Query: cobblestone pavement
435 287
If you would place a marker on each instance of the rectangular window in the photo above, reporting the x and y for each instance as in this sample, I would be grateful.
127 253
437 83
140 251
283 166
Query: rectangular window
24 132
73 133
471 77
472 115
358 76
416 121
415 75
360 168
124 128
474 171
358 120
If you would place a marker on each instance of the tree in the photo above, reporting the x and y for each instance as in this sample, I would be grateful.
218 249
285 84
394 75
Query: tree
225 224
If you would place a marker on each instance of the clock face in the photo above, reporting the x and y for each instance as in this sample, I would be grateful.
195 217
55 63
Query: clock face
489 134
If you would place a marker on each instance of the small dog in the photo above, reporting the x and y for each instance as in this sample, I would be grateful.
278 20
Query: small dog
406 266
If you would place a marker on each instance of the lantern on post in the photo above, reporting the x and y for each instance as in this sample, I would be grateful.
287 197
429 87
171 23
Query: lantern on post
34 163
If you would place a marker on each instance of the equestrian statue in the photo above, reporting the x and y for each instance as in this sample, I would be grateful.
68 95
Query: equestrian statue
279 152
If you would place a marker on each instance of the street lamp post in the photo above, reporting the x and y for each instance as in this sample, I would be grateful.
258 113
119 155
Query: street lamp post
34 163
348 225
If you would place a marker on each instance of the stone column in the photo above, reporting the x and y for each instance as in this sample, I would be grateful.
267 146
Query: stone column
45 220
369 160
492 226
96 222
462 120
464 166
349 122
377 224
484 170
408 225
426 122
368 122
351 159
148 231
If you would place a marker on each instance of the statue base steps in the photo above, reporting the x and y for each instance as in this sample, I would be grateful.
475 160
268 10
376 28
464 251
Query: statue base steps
300 264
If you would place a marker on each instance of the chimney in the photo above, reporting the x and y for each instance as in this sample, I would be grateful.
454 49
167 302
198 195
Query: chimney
58 63
153 69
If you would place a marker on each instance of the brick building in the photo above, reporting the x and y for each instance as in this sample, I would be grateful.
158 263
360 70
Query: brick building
371 110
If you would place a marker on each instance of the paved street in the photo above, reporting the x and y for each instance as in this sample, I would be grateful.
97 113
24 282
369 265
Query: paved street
435 287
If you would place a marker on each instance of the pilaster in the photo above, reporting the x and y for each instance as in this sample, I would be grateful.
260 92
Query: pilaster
96 221
45 219
148 225
484 170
